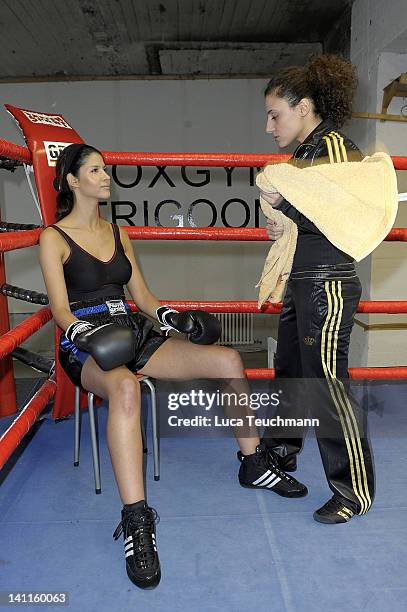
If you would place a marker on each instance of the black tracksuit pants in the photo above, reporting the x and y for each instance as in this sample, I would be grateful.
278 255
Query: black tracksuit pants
313 342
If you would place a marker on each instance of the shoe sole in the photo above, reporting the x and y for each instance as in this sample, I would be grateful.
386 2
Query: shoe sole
281 493
148 585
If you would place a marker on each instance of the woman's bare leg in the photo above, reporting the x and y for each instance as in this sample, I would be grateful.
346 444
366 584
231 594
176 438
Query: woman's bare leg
180 359
122 390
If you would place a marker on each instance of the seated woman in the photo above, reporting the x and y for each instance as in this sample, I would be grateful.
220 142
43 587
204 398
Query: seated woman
86 262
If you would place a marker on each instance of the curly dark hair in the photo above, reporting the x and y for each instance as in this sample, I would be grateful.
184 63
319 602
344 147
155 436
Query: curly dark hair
69 162
329 81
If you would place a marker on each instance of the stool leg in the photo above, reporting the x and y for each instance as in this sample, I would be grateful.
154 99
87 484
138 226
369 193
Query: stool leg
156 451
77 427
95 449
143 435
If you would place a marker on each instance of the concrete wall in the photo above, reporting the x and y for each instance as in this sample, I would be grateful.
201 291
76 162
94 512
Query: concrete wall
377 27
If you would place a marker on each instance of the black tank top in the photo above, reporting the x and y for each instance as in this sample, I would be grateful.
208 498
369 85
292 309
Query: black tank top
89 278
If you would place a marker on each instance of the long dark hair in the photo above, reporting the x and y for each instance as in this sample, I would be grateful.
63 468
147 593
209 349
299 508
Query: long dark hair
70 161
329 81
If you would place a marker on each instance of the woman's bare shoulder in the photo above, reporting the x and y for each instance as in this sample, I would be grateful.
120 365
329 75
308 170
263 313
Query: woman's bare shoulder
50 238
123 235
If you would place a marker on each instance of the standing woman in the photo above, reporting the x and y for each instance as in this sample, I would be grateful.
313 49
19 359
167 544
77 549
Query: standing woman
309 105
86 262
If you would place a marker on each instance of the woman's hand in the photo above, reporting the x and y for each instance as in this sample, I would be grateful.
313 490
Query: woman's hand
275 228
274 199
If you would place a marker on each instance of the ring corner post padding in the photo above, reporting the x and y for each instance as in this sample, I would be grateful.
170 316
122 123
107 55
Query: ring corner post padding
46 135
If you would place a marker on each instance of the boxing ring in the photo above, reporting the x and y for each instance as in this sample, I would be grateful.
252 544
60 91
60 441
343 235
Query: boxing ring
14 237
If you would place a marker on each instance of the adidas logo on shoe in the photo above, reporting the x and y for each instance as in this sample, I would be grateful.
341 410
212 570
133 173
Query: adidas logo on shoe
260 471
333 512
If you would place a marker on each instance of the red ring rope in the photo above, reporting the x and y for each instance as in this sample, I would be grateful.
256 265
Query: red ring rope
245 234
13 338
384 373
13 151
12 437
250 306
18 240
130 158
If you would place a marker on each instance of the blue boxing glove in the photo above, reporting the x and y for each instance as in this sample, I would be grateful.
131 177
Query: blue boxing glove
110 345
201 327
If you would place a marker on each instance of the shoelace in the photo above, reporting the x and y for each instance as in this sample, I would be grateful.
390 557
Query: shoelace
166 326
271 458
141 527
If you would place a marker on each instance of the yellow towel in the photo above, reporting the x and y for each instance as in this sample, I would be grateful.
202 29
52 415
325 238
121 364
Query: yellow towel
354 204
279 260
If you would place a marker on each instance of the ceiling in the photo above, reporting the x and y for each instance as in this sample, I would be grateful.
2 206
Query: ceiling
68 39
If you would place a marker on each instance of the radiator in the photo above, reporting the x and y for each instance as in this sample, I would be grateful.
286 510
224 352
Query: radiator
237 327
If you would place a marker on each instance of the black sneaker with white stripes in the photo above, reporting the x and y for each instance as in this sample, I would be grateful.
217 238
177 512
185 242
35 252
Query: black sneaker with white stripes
140 549
334 511
287 464
260 471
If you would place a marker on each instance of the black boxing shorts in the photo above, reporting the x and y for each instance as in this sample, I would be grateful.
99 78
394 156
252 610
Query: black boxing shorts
112 309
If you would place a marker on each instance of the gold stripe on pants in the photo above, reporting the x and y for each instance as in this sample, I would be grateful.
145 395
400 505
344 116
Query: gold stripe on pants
329 345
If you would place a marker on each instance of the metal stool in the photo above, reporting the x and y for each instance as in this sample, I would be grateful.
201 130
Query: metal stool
95 446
